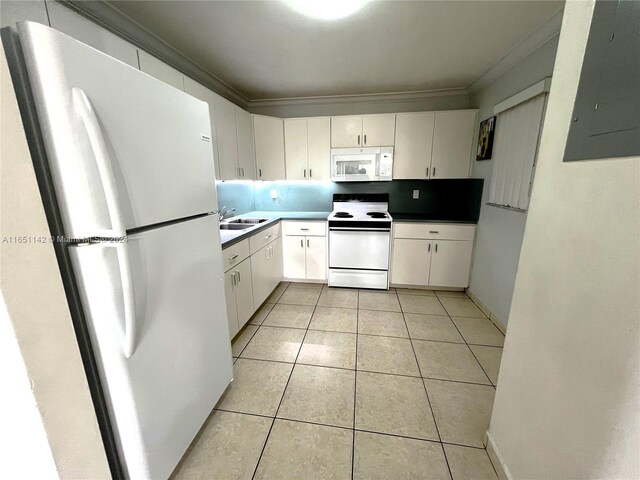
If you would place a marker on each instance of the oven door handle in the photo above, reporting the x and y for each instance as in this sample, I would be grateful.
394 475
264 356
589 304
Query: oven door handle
356 229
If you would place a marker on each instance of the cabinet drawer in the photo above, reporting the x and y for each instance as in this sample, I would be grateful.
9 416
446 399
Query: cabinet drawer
310 229
434 231
234 254
264 237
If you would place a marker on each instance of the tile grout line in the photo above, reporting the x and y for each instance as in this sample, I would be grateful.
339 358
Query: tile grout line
355 390
266 440
467 344
433 415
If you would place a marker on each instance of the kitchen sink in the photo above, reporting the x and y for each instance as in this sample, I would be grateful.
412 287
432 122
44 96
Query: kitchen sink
235 226
251 221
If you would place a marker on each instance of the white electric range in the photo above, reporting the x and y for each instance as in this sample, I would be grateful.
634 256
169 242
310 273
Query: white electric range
360 241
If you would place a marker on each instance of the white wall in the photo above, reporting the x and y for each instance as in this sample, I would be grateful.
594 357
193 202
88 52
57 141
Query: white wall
569 390
500 231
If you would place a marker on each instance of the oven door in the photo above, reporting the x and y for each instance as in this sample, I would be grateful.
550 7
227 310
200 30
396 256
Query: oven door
356 248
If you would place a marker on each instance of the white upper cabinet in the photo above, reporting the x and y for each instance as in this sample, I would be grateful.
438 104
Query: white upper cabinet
160 70
346 131
78 27
194 89
307 144
434 144
453 144
378 130
413 145
225 118
246 147
363 130
269 142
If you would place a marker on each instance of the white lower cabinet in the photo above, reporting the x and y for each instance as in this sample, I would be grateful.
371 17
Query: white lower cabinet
239 296
266 268
304 256
432 255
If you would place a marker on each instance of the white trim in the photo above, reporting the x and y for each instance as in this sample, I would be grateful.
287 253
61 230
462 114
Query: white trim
527 94
496 458
548 31
490 315
360 98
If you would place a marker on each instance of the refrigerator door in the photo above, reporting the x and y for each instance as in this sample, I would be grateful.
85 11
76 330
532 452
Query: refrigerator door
180 362
109 128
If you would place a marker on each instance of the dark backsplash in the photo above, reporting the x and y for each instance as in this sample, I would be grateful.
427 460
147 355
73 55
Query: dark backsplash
439 199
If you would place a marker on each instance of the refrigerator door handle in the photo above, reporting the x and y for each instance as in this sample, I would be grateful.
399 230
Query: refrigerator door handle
128 298
83 107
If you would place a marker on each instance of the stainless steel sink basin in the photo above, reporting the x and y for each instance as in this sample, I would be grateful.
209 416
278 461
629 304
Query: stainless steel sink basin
235 226
252 221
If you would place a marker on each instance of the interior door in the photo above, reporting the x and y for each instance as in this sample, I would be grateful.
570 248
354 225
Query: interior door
180 363
104 121
453 143
319 148
378 130
411 260
293 251
316 258
346 131
414 140
295 148
450 262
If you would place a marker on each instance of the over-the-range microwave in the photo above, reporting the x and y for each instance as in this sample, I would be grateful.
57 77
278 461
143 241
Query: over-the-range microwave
361 164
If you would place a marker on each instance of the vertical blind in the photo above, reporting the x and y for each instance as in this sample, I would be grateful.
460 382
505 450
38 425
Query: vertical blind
514 153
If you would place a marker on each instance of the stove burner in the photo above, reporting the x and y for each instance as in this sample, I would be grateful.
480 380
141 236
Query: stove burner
377 214
342 215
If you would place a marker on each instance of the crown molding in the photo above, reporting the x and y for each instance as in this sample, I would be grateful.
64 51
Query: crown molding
393 97
545 33
112 19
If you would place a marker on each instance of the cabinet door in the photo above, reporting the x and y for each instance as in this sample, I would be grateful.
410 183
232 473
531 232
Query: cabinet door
379 130
276 263
319 148
67 21
346 131
244 292
203 93
269 139
293 253
295 148
316 258
412 153
246 147
453 144
230 297
160 70
261 265
450 263
410 262
225 117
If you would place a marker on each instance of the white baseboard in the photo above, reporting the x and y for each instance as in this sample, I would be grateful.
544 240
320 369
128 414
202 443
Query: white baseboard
496 458
496 321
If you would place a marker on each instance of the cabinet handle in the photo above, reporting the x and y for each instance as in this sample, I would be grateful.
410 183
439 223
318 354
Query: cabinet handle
358 139
436 248
243 171
305 173
233 257
429 248
268 236
310 173
427 173
308 242
233 279
434 172
302 243
304 229
238 272
433 231
239 172
365 138
260 172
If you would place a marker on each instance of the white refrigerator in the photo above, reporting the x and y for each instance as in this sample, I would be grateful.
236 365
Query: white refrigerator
132 170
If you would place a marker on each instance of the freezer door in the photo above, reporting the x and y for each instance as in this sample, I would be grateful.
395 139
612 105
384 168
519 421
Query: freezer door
180 363
107 124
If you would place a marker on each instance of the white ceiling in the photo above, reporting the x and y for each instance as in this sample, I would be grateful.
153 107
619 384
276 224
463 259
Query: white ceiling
265 50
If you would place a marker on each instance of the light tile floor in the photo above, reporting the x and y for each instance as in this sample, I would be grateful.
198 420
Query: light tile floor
355 384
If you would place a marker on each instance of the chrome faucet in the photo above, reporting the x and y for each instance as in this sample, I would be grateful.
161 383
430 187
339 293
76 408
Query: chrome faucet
224 211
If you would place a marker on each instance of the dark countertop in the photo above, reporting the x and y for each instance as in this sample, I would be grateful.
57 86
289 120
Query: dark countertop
231 237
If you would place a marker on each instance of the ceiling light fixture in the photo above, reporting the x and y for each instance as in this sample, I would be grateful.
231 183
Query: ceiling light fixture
326 9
